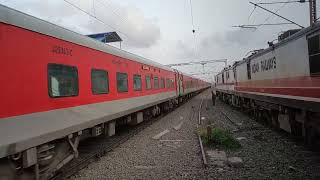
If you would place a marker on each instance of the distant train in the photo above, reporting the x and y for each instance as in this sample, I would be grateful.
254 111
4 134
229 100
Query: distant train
58 87
279 85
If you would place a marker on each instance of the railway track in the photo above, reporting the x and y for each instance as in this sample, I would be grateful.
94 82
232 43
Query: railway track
239 126
267 153
203 155
93 148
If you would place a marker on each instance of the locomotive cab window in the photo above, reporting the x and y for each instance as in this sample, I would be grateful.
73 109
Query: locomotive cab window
122 82
62 80
156 83
314 54
137 82
148 82
99 81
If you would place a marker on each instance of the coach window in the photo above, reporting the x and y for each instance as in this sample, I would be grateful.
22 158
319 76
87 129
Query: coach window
148 82
314 54
122 82
156 83
168 83
62 80
172 83
99 81
137 82
162 83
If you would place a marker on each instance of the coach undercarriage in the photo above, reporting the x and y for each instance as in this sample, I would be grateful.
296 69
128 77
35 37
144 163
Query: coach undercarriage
44 161
296 121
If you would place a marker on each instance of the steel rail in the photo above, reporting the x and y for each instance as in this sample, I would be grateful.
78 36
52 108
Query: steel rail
204 159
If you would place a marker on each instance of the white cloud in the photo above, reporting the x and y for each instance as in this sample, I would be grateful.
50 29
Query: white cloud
161 30
138 31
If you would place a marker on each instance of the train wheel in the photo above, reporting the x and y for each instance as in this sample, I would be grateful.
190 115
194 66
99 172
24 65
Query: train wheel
267 118
257 115
296 128
274 119
7 170
12 171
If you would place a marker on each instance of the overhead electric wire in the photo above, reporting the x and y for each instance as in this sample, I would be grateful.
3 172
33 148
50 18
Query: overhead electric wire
258 25
116 11
191 11
255 26
103 3
99 20
282 2
245 27
275 13
193 29
254 8
270 24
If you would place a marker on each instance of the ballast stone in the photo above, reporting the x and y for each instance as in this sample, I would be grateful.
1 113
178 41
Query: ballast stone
235 162
217 158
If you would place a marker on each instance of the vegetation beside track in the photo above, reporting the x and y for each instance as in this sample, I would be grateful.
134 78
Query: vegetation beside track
217 137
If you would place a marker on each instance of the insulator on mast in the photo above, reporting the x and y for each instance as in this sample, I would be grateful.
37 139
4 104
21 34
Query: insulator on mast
313 11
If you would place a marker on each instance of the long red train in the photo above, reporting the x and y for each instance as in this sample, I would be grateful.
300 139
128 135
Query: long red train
58 87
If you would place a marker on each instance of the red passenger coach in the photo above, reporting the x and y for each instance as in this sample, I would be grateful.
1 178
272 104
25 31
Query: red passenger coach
58 87
28 56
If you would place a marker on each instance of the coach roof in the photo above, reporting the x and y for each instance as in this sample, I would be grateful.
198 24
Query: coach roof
20 19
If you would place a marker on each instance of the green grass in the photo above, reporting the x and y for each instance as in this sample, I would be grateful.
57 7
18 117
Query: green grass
219 138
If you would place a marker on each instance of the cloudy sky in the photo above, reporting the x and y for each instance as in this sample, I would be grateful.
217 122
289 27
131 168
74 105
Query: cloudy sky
161 30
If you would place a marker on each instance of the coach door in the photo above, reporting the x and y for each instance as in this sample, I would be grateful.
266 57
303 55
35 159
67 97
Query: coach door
314 54
176 74
181 90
